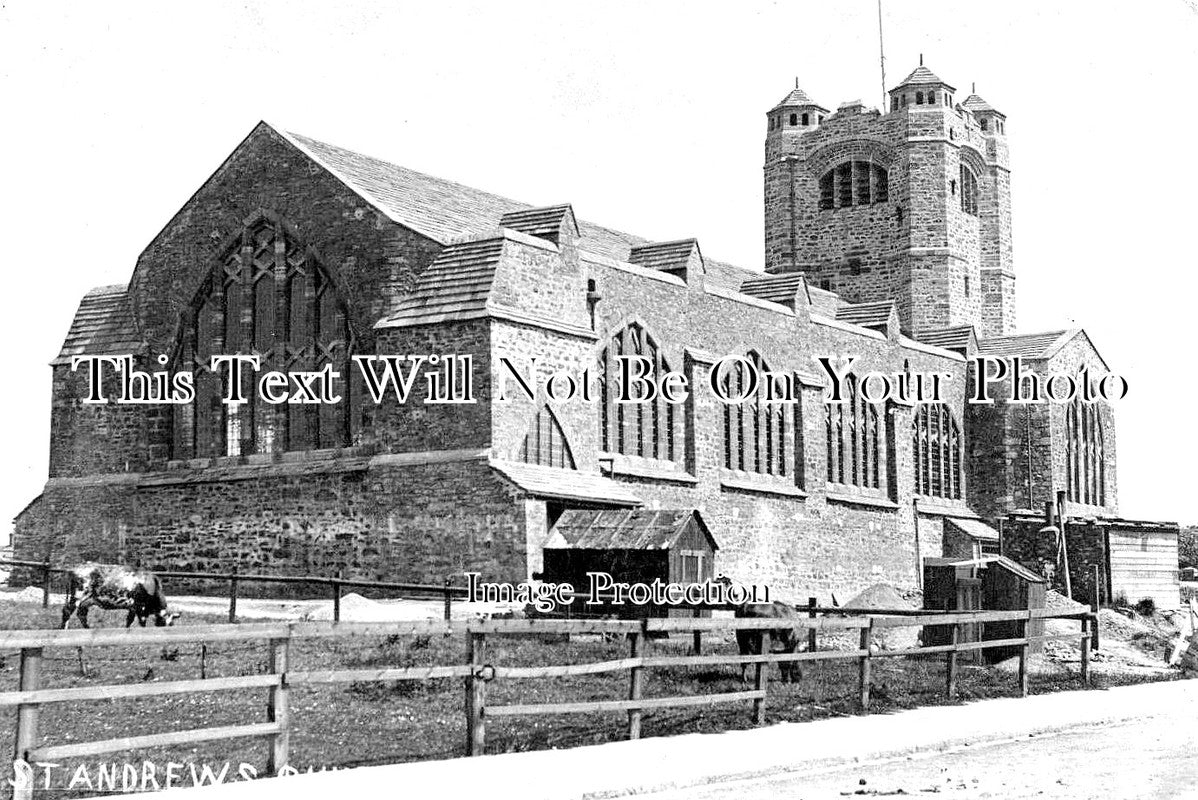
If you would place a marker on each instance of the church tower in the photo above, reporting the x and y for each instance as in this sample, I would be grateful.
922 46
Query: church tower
911 205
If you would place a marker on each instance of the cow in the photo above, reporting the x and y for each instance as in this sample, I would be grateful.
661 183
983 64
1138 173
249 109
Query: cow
110 586
749 642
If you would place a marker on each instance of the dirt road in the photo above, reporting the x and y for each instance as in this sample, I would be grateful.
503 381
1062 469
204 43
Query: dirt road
1152 758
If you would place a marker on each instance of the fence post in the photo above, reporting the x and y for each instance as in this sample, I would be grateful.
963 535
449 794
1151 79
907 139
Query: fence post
811 641
278 709
950 666
636 680
1085 645
1095 604
448 598
476 726
31 677
233 596
761 671
336 584
867 640
46 576
1023 654
697 638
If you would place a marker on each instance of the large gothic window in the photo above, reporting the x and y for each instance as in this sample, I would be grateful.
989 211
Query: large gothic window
646 429
855 432
936 452
755 432
854 183
267 295
545 444
1085 457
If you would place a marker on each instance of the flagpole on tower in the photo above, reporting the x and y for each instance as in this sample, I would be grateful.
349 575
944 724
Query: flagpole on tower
882 56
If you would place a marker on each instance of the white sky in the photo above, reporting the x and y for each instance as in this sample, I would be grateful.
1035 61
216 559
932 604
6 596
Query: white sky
649 118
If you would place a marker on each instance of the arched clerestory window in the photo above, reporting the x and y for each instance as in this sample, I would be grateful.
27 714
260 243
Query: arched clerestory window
266 295
856 435
756 433
936 452
1085 455
545 443
646 429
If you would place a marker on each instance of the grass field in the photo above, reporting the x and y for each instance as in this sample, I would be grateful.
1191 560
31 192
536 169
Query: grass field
351 725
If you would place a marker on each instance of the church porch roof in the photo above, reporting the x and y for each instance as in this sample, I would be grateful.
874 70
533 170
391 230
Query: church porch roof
103 325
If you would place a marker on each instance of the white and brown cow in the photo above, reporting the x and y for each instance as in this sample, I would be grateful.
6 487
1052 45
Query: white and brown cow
786 639
111 586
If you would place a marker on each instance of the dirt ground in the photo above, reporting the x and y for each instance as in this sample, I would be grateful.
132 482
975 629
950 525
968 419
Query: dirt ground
372 723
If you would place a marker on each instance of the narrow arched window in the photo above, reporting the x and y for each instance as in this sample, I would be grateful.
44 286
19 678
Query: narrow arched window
794 119
855 433
647 429
936 452
755 432
267 294
931 98
545 443
1085 457
806 119
985 124
969 191
919 98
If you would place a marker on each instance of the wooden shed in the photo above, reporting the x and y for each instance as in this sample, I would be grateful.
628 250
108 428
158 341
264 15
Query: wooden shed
633 546
1142 559
990 583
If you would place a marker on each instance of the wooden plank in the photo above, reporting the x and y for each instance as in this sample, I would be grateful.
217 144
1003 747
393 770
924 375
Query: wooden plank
865 667
953 619
1023 670
515 626
27 715
92 637
153 740
621 705
636 683
113 692
419 627
476 695
767 658
950 667
278 707
761 676
672 624
1085 648
568 669
313 677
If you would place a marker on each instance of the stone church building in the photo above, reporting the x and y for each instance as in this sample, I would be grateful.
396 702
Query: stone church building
887 238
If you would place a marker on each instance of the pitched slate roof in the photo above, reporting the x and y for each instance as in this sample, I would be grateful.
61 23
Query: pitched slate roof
1027 345
446 211
454 287
544 223
566 484
973 528
797 97
635 529
976 103
956 338
922 76
779 288
103 325
868 315
664 256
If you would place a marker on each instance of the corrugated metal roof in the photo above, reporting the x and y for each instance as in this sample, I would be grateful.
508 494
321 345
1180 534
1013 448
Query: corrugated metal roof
454 287
868 315
446 211
664 256
1027 345
635 529
775 288
921 76
567 484
103 325
956 338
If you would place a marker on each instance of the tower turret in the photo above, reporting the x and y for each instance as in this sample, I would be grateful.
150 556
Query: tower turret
921 88
992 121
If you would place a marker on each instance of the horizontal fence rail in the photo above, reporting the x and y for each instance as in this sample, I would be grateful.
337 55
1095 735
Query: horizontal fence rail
446 592
477 672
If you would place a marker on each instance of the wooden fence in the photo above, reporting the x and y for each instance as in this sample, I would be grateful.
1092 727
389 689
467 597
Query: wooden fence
476 670
447 592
